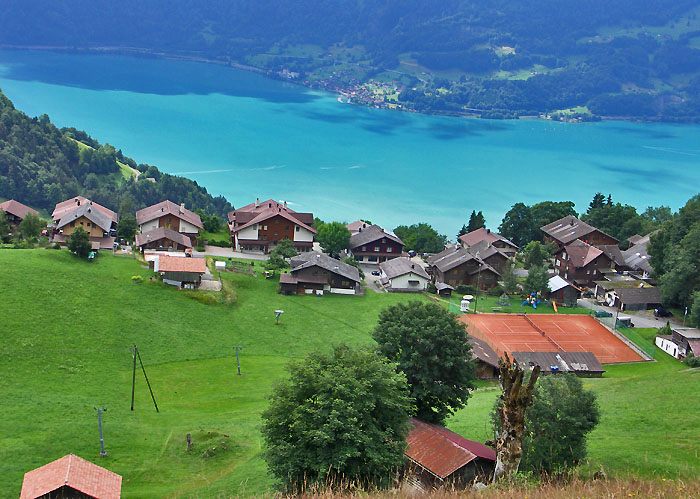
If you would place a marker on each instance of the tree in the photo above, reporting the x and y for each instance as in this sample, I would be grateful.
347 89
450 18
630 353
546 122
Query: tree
462 231
430 346
4 227
275 262
333 237
354 263
79 242
510 280
31 226
476 221
421 238
127 228
340 416
535 254
557 423
285 248
597 202
517 225
694 317
537 281
212 223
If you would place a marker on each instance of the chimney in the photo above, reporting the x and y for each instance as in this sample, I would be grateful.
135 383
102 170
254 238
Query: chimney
77 201
572 222
182 207
285 205
488 231
360 230
413 265
257 202
89 210
318 257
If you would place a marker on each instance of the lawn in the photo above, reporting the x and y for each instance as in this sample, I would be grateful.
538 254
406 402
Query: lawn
491 304
68 331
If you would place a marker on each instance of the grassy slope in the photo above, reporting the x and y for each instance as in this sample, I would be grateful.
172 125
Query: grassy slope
126 171
68 327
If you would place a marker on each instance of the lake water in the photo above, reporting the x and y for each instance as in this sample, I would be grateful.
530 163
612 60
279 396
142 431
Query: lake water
244 136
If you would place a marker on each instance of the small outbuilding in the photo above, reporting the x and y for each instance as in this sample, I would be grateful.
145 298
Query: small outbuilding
579 363
71 476
485 357
180 271
681 342
563 291
404 275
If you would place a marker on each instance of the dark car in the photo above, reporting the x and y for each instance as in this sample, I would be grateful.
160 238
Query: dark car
375 272
661 312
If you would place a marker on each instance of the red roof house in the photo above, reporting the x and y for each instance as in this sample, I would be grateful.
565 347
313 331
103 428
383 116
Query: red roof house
70 476
16 211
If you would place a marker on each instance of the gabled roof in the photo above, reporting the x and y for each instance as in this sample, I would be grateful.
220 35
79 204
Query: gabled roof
632 296
167 208
87 210
17 209
581 254
441 451
165 263
634 239
482 351
455 256
689 333
568 229
162 233
613 252
74 472
355 227
485 250
637 258
70 204
557 282
400 266
245 214
371 234
577 362
270 213
484 234
314 258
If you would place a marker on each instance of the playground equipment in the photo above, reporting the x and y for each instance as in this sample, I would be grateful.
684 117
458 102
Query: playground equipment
464 304
504 300
531 300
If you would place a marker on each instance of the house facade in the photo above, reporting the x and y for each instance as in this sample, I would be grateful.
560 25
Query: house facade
162 239
179 270
569 229
581 263
259 227
169 215
490 254
485 235
15 212
374 245
681 342
69 205
403 275
317 273
457 265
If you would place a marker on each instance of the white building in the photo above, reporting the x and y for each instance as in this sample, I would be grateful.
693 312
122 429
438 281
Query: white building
403 275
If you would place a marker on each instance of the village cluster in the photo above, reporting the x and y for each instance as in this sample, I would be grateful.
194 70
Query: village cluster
586 261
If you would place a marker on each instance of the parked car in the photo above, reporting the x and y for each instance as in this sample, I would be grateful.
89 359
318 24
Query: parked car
375 272
661 312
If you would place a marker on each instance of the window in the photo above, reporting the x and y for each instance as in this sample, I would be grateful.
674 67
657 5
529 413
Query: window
383 241
264 227
376 249
364 248
371 258
286 227
595 271
558 263
390 249
88 224
277 221
264 237
72 224
275 233
588 272
297 228
564 255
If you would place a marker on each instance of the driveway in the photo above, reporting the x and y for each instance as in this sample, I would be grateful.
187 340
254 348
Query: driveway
229 253
371 279
640 318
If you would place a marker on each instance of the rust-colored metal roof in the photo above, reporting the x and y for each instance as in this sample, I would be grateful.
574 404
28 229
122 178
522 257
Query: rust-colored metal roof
74 472
441 451
181 264
167 207
17 209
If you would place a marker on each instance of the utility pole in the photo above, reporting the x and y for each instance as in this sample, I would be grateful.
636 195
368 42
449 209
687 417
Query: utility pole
133 379
102 438
685 315
238 360
478 278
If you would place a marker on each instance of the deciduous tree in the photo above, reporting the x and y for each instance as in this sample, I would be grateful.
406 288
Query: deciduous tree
333 237
421 237
127 228
79 242
537 281
31 226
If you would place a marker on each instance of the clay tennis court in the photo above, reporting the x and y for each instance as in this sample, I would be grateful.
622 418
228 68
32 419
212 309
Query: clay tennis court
549 333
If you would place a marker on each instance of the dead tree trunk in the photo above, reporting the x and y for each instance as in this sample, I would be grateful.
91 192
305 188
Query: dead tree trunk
516 399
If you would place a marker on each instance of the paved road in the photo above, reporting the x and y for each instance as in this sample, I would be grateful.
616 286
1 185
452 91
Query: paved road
229 253
641 318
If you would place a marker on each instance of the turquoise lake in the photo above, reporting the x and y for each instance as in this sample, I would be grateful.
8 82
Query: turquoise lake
244 136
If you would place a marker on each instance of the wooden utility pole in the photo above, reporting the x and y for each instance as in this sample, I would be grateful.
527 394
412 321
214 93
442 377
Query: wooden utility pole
515 398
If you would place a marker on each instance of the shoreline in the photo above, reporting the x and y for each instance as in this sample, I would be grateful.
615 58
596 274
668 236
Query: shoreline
338 93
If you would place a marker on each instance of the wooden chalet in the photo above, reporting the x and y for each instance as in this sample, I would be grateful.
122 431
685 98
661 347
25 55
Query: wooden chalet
318 273
404 275
16 211
258 227
490 254
170 216
162 239
485 358
69 205
180 271
457 265
681 342
581 263
485 235
562 291
375 245
569 229
97 222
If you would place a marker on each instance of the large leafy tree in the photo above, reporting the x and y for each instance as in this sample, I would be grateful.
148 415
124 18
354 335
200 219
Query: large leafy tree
537 281
127 228
79 242
421 237
535 254
333 237
31 226
340 416
432 348
517 225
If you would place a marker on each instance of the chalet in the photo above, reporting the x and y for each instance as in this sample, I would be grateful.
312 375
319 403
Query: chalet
71 476
403 275
485 235
580 263
569 229
636 257
318 273
490 254
16 211
439 457
681 342
357 226
456 265
92 220
562 291
258 227
627 293
171 216
485 357
65 207
579 363
180 271
375 245
162 239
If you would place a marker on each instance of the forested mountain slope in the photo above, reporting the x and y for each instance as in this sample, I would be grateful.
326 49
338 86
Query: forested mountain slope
623 57
41 165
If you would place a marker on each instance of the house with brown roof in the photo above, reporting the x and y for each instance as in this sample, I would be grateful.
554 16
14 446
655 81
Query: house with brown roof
578 363
490 254
162 239
71 476
681 342
569 229
258 227
180 271
485 358
636 257
439 457
404 275
374 245
69 205
96 222
580 263
457 265
16 211
317 273
171 216
357 226
485 235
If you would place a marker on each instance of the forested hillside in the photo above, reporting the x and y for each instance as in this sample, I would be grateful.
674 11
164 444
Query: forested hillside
41 165
636 58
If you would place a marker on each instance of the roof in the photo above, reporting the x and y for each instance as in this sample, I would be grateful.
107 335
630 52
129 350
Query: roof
441 285
483 352
637 258
577 362
485 250
167 208
645 295
89 211
356 226
613 252
441 451
694 346
400 266
687 332
162 233
581 254
74 472
450 258
634 239
370 234
557 282
17 209
484 234
244 216
569 229
314 258
166 263
70 204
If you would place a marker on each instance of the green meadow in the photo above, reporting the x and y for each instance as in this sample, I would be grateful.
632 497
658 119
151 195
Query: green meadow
68 330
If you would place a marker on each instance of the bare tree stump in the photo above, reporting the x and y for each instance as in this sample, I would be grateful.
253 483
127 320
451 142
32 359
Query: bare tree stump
516 399
189 441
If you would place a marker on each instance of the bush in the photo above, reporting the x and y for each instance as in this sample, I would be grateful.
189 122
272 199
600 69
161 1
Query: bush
431 288
463 289
220 244
692 361
56 246
137 279
497 290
